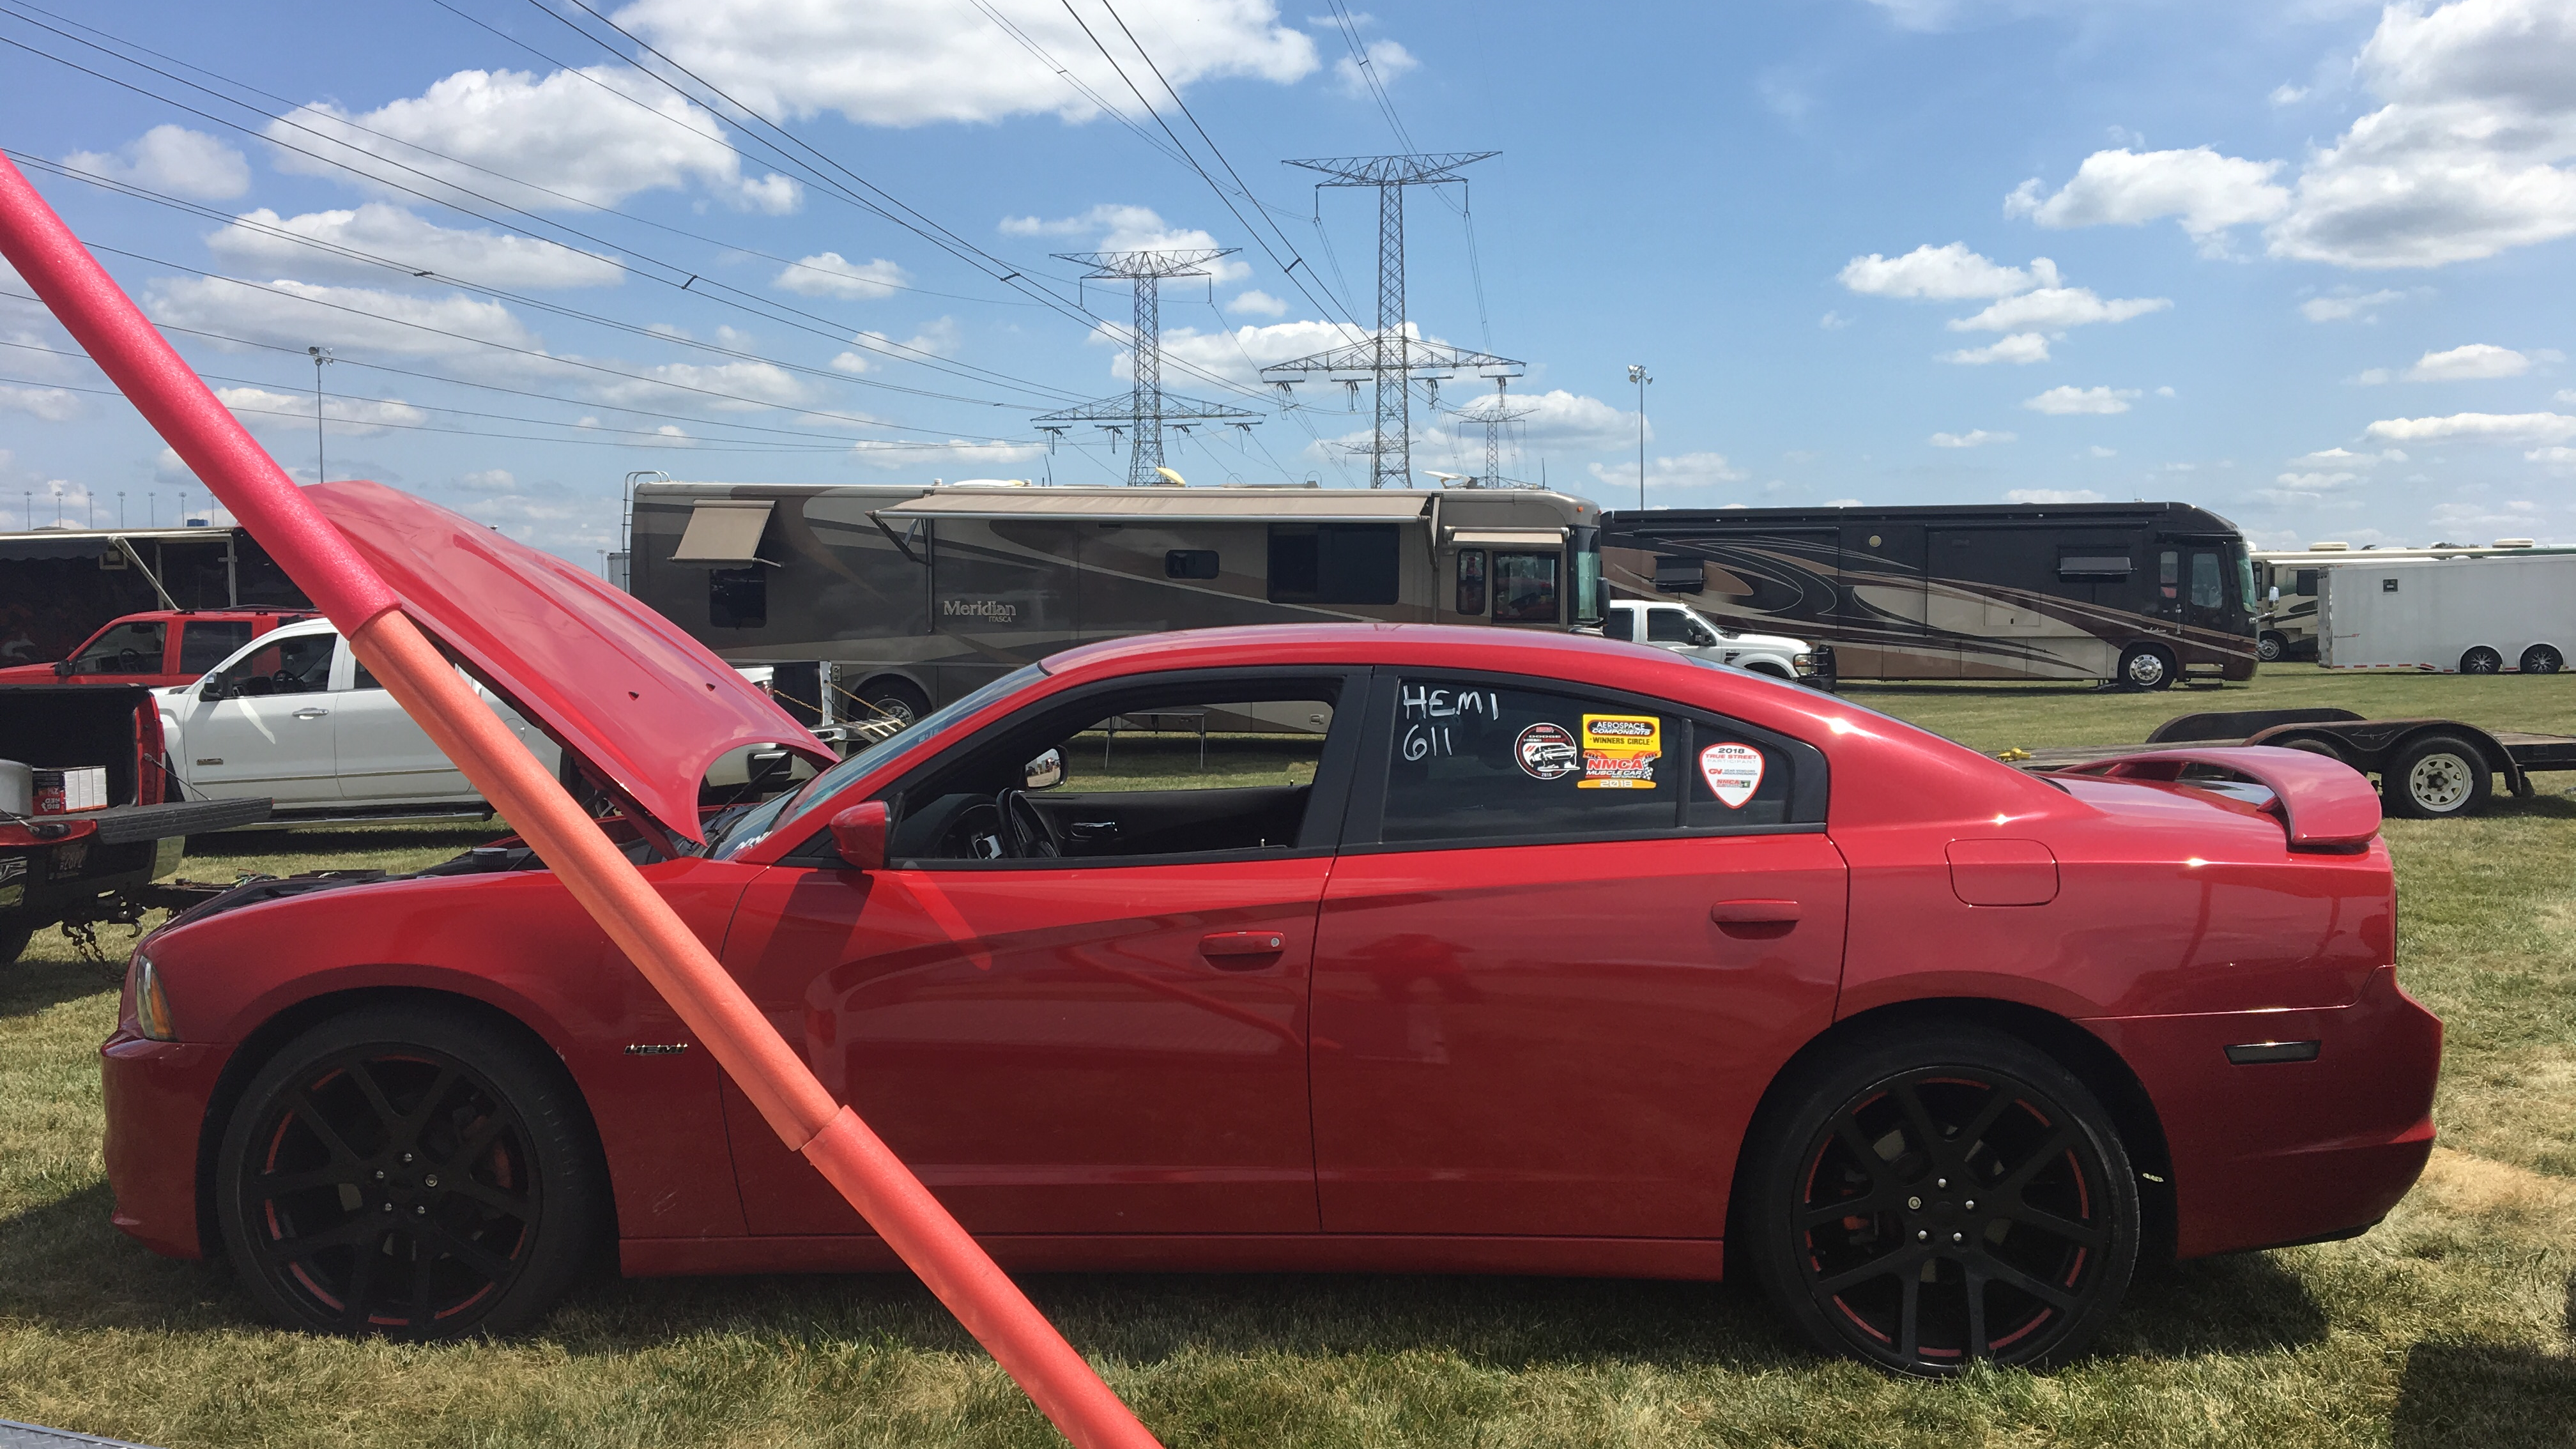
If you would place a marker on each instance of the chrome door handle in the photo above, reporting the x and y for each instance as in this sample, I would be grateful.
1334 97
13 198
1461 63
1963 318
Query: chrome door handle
311 712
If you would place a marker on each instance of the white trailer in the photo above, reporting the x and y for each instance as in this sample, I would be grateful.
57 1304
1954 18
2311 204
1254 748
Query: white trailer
2451 616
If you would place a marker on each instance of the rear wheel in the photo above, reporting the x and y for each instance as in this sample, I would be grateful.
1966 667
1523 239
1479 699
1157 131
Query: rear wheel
2541 659
2146 666
14 936
2436 777
411 1173
2270 647
897 697
1939 1196
2481 660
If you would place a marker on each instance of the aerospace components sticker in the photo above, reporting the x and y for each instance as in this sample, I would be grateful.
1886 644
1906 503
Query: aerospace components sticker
1733 773
1547 752
1620 750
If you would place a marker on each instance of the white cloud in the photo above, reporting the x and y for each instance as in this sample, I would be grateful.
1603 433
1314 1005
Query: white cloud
490 480
1943 274
2559 457
1121 228
172 159
356 317
2064 400
1241 353
2054 309
937 338
1259 303
2344 308
2310 487
955 458
826 274
1973 438
2373 376
752 385
598 135
2484 427
1386 57
2476 362
2205 191
52 404
1690 470
2020 347
2099 451
2052 495
356 416
1833 321
911 62
377 229
2330 458
2286 94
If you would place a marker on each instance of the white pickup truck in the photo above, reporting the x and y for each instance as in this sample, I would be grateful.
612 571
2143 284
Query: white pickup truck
1685 630
293 717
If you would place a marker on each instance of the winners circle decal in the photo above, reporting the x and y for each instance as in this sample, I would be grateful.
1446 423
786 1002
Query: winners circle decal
1620 750
1547 752
1733 773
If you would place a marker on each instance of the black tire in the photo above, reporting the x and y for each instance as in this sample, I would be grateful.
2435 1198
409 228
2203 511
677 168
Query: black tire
328 1185
2310 744
2271 648
2147 666
2035 1220
2481 660
2541 659
2436 777
896 696
14 936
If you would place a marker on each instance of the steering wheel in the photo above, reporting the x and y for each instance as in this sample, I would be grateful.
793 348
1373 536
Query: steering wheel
286 681
1025 830
129 661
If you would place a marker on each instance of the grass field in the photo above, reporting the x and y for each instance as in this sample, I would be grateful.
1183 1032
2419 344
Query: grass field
2449 1325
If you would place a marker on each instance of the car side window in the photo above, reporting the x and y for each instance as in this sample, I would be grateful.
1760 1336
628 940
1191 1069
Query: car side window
205 643
126 649
1668 626
1620 624
301 665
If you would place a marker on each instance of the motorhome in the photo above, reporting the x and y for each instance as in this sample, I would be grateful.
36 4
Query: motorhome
2491 614
2286 581
2138 593
914 595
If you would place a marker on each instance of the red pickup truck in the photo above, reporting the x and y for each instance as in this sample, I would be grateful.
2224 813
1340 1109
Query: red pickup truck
159 648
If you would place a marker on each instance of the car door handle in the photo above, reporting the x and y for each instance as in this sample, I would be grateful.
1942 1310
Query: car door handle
1754 913
1242 950
311 712
1094 829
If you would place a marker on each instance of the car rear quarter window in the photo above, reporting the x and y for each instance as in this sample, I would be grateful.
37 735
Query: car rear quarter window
205 643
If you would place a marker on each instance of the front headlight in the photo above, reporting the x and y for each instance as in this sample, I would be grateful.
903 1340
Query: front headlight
151 1004
1804 663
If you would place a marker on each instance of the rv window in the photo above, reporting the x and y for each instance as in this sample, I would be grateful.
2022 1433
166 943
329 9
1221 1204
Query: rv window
1471 581
2207 590
1189 563
2307 584
1525 588
1334 563
1680 575
2169 575
2092 566
738 598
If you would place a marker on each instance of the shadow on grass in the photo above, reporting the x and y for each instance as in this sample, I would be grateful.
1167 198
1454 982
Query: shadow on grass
32 986
2494 1396
319 840
2242 1303
64 1264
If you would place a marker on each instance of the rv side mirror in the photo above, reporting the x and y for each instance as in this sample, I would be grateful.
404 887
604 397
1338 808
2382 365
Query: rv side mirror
859 834
1045 772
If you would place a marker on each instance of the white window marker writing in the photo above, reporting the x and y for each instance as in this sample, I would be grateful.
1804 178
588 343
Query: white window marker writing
1733 773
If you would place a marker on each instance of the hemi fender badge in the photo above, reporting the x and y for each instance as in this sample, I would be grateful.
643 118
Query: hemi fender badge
655 1048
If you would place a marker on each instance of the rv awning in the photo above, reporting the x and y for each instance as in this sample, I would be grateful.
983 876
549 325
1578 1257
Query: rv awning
1158 505
1505 537
724 531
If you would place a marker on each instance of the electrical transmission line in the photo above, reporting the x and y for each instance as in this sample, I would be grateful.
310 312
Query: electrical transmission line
1145 409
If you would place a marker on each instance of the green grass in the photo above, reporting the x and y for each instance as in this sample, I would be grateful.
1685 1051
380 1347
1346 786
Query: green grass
2449 1325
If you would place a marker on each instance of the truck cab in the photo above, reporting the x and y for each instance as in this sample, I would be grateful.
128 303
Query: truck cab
158 648
1685 630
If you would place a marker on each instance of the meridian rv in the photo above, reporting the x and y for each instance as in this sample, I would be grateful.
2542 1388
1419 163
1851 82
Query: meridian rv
2141 593
916 595
2287 583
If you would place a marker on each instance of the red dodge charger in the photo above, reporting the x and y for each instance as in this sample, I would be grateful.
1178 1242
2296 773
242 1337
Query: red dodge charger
1349 949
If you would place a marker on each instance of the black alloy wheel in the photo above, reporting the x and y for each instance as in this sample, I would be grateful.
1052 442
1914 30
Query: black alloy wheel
413 1174
2481 660
2146 666
2541 659
1946 1196
2436 777
2270 647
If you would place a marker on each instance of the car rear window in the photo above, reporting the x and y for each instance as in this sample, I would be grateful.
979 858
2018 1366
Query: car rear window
205 643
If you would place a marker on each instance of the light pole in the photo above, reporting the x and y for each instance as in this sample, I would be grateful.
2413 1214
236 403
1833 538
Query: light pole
1637 374
321 357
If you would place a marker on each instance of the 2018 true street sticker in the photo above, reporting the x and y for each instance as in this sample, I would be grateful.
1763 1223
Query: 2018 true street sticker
1733 773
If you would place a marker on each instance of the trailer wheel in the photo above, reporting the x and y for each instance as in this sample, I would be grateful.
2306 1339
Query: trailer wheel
2313 745
2436 777
2146 666
2271 647
896 696
2541 659
2481 660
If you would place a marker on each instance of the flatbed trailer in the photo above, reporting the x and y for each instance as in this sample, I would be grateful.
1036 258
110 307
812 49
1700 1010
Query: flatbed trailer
2428 769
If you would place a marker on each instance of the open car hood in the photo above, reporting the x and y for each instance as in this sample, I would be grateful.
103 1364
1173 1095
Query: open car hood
619 685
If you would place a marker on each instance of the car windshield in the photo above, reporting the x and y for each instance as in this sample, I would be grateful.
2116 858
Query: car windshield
728 838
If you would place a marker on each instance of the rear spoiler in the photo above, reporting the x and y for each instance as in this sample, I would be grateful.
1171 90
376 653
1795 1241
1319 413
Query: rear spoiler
2325 803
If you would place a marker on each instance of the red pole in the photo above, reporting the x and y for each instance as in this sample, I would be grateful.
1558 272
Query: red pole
248 481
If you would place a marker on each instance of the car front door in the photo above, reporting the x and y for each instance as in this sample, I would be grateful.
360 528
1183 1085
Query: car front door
1107 1039
125 653
1569 939
261 725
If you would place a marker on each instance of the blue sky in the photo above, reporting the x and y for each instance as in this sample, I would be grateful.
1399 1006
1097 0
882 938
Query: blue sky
2293 262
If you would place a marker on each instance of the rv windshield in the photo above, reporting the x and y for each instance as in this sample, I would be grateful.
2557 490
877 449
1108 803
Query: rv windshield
2245 579
1589 591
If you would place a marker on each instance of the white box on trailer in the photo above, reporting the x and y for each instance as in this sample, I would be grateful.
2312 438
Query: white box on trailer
2449 616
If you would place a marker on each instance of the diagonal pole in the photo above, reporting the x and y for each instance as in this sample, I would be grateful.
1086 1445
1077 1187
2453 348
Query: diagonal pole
247 480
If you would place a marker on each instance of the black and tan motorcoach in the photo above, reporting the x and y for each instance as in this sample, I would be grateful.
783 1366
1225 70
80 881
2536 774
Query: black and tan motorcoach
915 595
2140 593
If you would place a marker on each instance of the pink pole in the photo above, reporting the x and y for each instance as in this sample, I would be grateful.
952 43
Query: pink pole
248 481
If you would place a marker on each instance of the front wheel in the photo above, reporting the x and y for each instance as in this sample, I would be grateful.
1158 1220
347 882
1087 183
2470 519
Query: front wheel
1940 1196
898 699
2438 777
2271 647
2146 666
412 1173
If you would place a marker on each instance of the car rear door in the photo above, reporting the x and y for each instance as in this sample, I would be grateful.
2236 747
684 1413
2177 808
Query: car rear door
381 754
1570 937
205 643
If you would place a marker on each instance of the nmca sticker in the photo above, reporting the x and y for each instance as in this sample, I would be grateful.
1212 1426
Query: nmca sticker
1620 750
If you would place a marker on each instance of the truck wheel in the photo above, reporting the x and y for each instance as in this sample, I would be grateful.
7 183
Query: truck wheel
2481 660
2541 659
2146 666
1941 1195
897 697
409 1172
2271 647
14 936
2436 777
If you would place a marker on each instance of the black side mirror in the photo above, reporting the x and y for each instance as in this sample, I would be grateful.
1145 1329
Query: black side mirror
62 669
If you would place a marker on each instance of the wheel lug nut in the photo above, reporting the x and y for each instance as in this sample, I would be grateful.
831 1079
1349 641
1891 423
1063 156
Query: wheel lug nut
422 1211
380 1174
1936 1182
432 1181
406 1157
1922 1236
1972 1202
389 1207
1954 1237
1914 1204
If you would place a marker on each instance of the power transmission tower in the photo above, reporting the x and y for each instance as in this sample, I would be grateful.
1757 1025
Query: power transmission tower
1146 408
1494 413
1391 358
